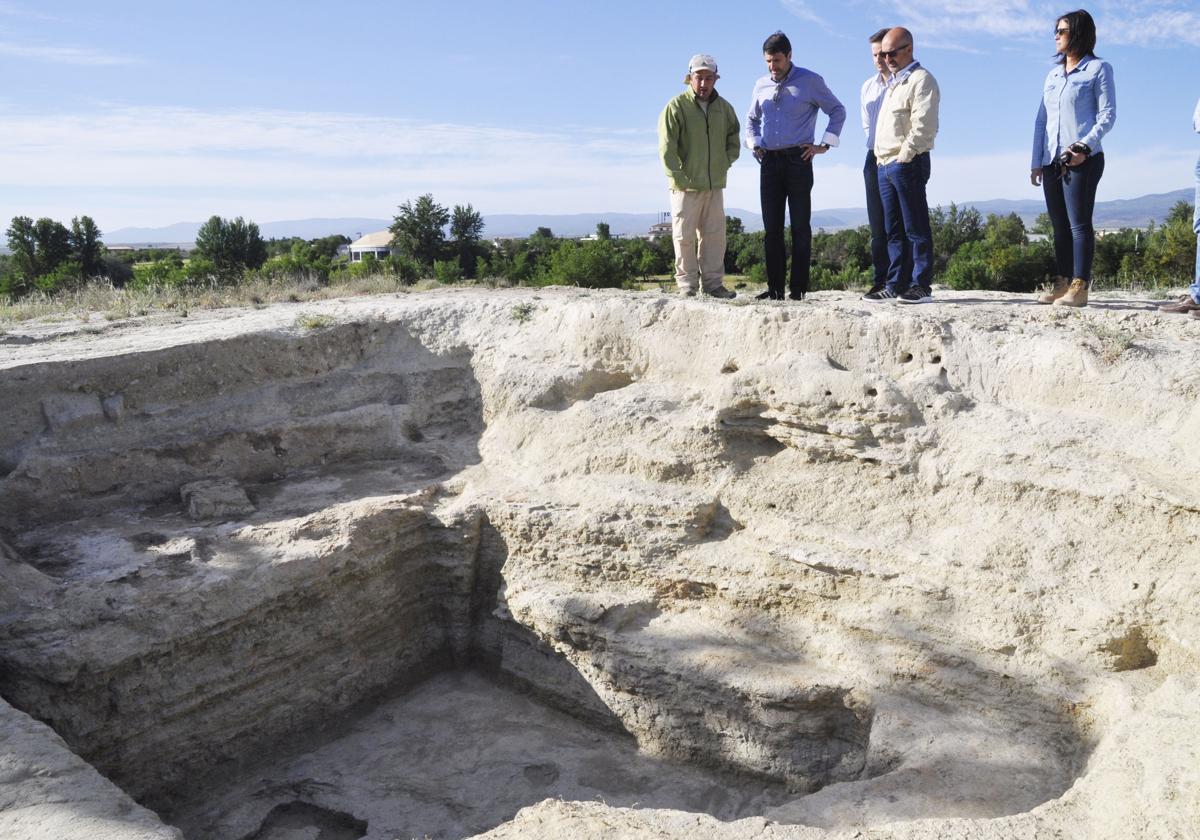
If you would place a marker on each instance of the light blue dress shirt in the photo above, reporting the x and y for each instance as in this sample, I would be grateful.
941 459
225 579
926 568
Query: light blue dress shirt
871 98
792 120
1077 107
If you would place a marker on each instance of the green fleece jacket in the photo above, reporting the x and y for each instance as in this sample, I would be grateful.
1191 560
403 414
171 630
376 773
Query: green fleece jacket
697 148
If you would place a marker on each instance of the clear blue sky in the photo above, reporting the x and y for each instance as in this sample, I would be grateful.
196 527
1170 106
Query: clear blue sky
147 113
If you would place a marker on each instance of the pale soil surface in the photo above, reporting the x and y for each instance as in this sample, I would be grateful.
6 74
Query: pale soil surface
601 564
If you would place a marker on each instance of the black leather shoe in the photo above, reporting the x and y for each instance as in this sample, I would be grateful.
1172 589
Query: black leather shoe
794 296
768 295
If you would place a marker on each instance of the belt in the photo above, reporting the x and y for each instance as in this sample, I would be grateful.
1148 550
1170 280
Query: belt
786 151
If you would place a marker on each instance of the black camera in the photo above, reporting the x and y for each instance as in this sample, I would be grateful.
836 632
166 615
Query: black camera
1065 158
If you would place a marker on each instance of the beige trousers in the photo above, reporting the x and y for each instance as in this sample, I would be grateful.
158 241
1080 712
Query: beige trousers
698 230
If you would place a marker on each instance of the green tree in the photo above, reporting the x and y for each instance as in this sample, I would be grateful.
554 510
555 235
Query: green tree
466 229
603 231
419 229
233 247
86 246
1043 225
1004 230
733 226
953 228
53 244
24 264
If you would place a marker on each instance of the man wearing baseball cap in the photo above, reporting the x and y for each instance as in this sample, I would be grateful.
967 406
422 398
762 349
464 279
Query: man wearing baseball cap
698 142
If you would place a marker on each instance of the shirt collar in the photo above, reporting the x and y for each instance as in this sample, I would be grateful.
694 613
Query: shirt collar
901 75
789 75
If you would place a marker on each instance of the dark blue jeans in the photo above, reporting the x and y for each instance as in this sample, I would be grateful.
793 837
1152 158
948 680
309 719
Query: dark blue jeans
879 240
906 219
1069 203
786 180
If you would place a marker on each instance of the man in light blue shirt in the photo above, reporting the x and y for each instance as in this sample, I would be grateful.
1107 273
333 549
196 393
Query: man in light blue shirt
870 99
781 128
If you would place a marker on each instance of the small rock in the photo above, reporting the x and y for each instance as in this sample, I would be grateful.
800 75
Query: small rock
220 498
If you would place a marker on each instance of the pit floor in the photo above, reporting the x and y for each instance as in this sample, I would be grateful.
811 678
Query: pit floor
453 758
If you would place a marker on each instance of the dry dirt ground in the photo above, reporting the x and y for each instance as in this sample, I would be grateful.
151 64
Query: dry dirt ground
557 563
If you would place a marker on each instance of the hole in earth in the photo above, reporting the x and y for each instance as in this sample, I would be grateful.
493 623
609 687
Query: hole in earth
394 618
300 819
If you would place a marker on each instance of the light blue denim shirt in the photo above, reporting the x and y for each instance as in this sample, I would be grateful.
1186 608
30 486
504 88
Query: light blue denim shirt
1196 118
790 119
871 98
1077 107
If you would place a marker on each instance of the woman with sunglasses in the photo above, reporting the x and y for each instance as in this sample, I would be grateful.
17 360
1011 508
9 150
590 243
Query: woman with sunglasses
1079 106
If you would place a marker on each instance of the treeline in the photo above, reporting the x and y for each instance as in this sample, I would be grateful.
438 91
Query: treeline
433 241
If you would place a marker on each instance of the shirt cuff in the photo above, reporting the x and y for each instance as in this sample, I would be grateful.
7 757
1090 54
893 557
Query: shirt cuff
831 139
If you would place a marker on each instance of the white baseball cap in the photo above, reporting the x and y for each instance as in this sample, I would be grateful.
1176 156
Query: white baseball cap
702 61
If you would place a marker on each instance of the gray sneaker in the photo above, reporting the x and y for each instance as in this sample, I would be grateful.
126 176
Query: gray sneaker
722 292
688 292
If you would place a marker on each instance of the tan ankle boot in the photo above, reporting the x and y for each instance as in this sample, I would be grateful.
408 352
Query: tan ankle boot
1076 294
1061 284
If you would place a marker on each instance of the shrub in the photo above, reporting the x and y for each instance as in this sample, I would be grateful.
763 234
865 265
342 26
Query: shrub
407 268
447 271
596 264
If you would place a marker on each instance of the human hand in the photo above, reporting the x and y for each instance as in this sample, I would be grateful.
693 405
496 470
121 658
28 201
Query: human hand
1035 176
1076 158
810 149
759 153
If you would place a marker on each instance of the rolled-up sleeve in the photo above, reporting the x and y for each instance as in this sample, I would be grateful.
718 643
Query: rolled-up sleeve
1106 107
754 122
923 119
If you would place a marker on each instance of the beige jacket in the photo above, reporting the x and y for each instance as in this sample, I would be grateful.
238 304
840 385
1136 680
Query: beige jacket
908 116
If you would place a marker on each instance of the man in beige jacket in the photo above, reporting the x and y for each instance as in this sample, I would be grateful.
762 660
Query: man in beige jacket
904 132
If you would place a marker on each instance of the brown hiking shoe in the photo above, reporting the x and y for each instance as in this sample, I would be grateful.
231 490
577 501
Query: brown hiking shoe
1196 314
1184 305
1077 294
722 292
1057 290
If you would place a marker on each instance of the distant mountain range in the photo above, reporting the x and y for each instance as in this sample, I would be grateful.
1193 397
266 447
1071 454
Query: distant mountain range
1129 212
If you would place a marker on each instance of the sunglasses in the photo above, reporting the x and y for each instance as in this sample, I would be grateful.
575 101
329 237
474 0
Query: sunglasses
895 52
1061 31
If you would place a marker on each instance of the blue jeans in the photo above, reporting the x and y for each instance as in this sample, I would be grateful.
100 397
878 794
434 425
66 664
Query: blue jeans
906 218
786 180
1195 287
1069 205
879 239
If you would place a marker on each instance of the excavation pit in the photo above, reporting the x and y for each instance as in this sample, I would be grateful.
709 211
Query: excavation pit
412 573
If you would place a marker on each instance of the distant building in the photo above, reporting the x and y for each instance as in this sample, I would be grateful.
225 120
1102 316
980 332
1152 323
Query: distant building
378 245
660 228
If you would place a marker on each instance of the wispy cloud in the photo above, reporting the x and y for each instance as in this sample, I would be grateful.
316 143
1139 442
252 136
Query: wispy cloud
316 163
64 55
802 10
1158 24
951 24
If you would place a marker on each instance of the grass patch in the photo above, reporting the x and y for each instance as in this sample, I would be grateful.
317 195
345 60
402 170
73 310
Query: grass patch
314 320
1110 343
522 312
